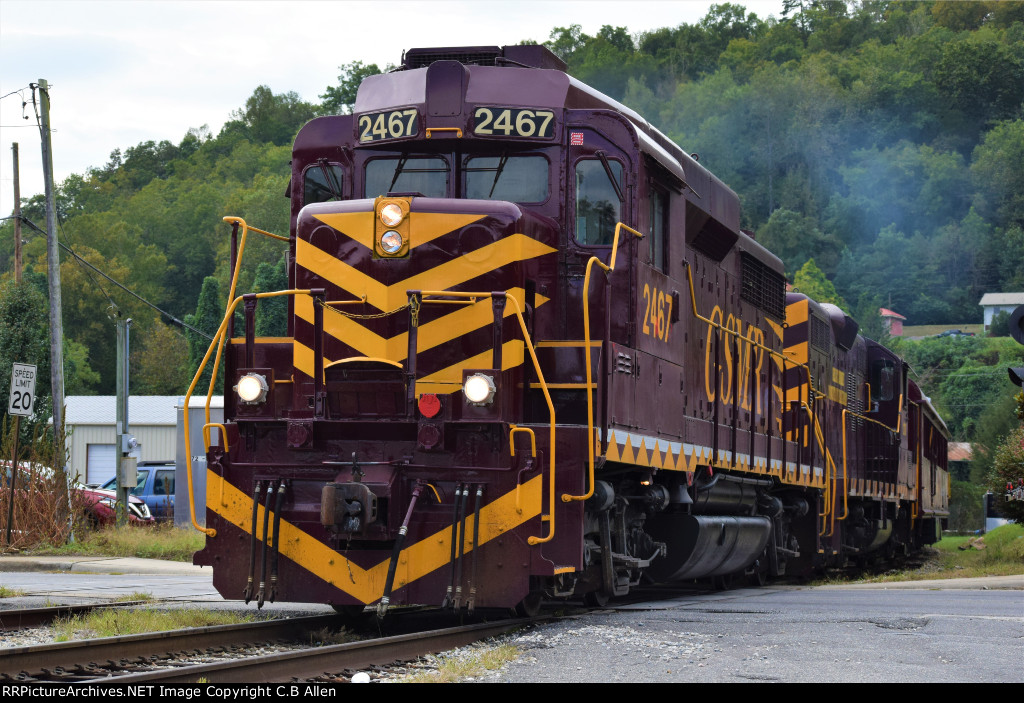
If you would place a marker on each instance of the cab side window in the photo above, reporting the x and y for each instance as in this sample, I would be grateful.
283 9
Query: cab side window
883 377
659 221
322 182
598 208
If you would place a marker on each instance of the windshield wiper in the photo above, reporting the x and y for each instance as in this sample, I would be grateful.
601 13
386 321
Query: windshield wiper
329 179
497 173
398 171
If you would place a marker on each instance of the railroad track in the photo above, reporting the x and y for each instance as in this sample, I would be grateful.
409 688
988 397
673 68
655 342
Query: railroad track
168 656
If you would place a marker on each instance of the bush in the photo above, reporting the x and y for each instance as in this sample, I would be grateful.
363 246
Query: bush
44 508
1008 468
966 507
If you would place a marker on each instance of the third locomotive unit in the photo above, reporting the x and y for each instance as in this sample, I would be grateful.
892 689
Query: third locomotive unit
531 354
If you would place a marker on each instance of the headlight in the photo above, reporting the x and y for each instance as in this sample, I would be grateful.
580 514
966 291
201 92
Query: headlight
252 388
479 389
391 242
391 215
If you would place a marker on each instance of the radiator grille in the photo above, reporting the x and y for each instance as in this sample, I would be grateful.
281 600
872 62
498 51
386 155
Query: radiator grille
763 287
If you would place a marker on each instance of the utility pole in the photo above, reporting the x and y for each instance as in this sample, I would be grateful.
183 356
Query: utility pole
17 219
127 476
17 282
53 274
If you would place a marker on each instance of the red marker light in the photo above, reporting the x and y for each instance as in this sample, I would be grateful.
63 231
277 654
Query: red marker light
429 404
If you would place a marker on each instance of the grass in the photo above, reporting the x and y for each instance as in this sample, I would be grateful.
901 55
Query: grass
6 592
1003 555
156 542
466 664
137 596
115 622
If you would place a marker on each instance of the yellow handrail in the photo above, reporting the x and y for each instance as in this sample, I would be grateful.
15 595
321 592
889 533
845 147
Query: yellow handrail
223 435
457 130
218 342
512 451
566 497
547 397
511 443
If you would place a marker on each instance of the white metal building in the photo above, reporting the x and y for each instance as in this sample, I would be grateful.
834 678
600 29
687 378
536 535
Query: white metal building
995 303
90 422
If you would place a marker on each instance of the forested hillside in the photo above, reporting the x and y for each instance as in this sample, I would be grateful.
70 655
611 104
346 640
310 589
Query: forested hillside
882 140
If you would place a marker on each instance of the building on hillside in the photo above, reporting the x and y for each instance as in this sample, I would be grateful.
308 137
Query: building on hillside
958 457
892 321
90 424
994 303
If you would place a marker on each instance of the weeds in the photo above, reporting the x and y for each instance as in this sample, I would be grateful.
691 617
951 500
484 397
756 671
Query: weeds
137 596
163 541
6 592
465 665
44 506
115 621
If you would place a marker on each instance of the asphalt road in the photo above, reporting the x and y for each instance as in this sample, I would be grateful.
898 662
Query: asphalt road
788 634
960 630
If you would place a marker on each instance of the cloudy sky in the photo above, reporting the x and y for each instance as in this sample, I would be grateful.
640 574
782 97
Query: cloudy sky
125 72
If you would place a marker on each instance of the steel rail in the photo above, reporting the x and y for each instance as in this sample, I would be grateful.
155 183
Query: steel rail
313 663
17 662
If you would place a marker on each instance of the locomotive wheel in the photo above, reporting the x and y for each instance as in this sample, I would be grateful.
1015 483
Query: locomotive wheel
595 599
723 583
530 606
758 577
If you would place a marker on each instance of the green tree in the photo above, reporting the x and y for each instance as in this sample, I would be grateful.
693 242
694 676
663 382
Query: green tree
1000 326
810 281
207 318
273 118
24 338
339 99
272 313
997 173
160 361
796 239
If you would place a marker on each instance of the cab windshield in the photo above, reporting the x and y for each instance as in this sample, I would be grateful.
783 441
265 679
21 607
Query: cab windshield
402 174
518 179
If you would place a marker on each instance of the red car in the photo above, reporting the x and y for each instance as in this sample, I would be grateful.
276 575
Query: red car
99 507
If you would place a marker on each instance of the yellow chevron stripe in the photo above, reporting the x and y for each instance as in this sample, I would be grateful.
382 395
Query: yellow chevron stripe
424 226
797 312
517 247
460 321
447 380
450 379
797 352
367 585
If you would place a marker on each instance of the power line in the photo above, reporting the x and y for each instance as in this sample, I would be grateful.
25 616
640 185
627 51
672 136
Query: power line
85 263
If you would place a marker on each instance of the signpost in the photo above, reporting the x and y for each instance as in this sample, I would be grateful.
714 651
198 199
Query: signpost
20 404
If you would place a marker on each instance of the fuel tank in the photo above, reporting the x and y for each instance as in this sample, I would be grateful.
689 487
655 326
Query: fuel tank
706 545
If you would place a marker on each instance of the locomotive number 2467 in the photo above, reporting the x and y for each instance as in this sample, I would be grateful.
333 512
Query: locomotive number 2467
387 125
513 122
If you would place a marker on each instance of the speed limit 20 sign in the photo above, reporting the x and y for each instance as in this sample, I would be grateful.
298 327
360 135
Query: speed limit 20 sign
23 390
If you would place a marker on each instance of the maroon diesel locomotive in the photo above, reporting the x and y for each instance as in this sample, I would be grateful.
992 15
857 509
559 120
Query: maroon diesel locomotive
531 354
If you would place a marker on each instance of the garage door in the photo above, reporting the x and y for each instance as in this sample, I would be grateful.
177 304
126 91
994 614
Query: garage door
101 463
